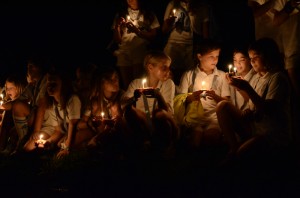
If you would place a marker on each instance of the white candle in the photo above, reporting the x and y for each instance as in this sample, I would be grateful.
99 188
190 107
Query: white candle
128 17
102 114
229 68
41 137
234 69
143 82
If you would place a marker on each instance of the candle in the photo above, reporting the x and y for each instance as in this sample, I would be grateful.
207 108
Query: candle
1 96
143 82
174 12
40 142
229 68
128 17
203 87
234 70
102 114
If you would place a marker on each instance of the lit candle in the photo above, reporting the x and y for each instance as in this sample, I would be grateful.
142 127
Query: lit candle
102 114
174 12
1 96
41 141
128 17
203 85
143 82
234 70
229 68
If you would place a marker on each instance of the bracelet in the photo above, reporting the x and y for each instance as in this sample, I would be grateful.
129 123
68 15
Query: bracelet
288 8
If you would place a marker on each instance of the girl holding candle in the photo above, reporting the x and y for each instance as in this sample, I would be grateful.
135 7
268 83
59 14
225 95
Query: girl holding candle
135 27
101 125
267 117
153 102
20 111
203 123
62 113
244 70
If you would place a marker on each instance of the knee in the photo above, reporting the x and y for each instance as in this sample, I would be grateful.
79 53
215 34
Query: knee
222 107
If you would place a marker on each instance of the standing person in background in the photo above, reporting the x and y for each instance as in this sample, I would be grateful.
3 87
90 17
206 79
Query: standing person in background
244 70
134 28
287 17
263 12
183 20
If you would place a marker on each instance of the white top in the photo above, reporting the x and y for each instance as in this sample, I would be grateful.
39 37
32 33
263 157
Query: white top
72 109
167 90
179 36
215 81
133 46
289 35
235 96
264 24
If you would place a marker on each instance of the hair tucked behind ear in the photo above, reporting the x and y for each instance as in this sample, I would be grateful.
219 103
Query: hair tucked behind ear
268 49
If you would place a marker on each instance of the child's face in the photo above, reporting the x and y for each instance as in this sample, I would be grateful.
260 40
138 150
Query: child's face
242 63
11 90
256 62
53 85
112 85
208 62
160 71
133 4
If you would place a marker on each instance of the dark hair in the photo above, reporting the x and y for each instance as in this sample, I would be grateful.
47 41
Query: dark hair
206 46
241 49
269 51
66 91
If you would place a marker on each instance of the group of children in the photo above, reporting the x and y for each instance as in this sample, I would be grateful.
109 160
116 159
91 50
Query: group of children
209 107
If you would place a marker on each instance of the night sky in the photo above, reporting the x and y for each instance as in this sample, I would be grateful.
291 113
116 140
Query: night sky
81 31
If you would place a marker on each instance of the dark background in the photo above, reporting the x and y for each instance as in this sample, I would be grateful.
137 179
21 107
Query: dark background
80 31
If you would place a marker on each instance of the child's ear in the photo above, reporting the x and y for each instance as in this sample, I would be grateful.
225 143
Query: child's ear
150 66
199 56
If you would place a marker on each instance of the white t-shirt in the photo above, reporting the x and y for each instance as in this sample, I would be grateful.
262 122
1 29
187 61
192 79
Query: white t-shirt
235 96
133 48
166 88
73 110
264 24
215 81
177 36
289 36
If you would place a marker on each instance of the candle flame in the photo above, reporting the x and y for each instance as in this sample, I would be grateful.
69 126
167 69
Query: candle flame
102 114
41 136
144 81
174 11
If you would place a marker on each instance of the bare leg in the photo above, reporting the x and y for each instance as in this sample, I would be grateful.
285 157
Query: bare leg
228 116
